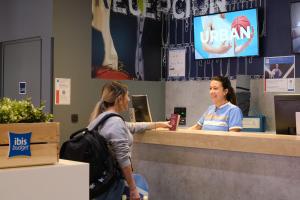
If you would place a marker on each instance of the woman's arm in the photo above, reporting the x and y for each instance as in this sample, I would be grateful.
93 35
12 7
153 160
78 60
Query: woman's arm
235 130
239 49
127 172
195 127
207 29
155 125
235 120
138 127
223 48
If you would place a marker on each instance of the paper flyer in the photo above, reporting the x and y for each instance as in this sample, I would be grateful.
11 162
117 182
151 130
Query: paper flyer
279 74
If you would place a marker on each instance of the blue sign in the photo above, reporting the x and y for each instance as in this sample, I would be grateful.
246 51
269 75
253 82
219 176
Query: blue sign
19 144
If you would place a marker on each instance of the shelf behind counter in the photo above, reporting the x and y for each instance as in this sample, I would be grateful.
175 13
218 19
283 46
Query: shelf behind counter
263 143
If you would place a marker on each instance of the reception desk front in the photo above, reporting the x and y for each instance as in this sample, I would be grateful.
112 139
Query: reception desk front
218 165
267 143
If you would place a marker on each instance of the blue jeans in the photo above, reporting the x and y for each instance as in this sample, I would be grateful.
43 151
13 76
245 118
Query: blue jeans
114 193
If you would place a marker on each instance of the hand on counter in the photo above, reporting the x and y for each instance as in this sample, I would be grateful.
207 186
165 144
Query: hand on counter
165 124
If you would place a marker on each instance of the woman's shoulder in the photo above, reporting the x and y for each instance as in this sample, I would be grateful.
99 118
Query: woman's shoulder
114 120
234 108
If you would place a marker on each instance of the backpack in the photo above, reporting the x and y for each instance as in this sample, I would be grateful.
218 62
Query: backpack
91 147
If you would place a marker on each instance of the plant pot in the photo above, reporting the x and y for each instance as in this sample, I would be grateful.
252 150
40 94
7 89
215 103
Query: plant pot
28 144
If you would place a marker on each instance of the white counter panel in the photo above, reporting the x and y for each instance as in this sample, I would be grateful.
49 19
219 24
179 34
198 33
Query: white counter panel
65 180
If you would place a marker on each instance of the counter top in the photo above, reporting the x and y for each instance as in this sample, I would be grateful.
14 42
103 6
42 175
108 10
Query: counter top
264 143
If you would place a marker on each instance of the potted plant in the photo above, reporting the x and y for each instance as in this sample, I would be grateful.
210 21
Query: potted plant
27 137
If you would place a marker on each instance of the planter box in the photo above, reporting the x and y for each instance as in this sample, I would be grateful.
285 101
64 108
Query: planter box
41 149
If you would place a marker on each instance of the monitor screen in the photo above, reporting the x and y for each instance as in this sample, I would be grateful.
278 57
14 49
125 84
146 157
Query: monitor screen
286 107
224 35
141 108
295 26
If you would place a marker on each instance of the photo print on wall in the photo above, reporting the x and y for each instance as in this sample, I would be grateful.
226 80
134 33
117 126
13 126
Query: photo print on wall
126 40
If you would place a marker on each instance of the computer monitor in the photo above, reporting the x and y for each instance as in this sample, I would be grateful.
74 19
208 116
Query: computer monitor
286 107
141 108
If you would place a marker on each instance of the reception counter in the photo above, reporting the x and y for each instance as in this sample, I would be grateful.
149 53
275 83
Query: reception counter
218 165
267 143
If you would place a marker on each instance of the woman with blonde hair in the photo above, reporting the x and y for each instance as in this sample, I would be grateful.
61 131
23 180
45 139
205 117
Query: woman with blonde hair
114 99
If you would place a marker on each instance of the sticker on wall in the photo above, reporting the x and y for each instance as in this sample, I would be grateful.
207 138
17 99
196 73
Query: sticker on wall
176 63
279 74
22 87
62 91
19 144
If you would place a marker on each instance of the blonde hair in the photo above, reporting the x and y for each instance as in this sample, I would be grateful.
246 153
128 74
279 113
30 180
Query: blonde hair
109 96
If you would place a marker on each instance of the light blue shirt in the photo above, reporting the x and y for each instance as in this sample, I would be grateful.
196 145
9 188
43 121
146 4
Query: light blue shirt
224 118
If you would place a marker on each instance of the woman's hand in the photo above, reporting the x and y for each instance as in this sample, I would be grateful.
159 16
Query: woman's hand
162 124
195 127
134 194
224 47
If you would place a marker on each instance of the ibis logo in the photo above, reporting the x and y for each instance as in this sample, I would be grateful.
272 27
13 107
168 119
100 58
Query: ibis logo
19 144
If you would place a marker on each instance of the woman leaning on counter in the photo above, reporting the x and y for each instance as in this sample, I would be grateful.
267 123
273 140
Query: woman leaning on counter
223 115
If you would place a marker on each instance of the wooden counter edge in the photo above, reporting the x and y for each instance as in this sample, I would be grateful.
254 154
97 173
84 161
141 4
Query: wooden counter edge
262 143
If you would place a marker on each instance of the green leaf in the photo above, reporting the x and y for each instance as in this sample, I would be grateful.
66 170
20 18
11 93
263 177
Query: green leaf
22 111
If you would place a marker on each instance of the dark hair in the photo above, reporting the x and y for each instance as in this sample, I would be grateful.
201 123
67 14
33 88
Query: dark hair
230 96
108 97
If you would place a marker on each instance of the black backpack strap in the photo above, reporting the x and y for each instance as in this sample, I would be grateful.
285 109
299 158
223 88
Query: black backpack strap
92 141
78 133
105 117
82 131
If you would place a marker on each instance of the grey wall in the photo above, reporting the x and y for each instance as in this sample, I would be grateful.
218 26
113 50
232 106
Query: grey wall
72 59
26 19
195 96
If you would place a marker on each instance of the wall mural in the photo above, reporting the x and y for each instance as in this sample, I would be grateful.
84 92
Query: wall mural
132 39
126 40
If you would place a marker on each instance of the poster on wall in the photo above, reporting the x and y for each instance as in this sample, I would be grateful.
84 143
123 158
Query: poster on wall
176 63
126 40
279 74
62 91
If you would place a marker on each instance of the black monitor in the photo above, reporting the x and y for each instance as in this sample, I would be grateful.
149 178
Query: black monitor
286 107
141 108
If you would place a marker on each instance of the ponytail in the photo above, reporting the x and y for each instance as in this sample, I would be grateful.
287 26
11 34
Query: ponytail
95 112
231 96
